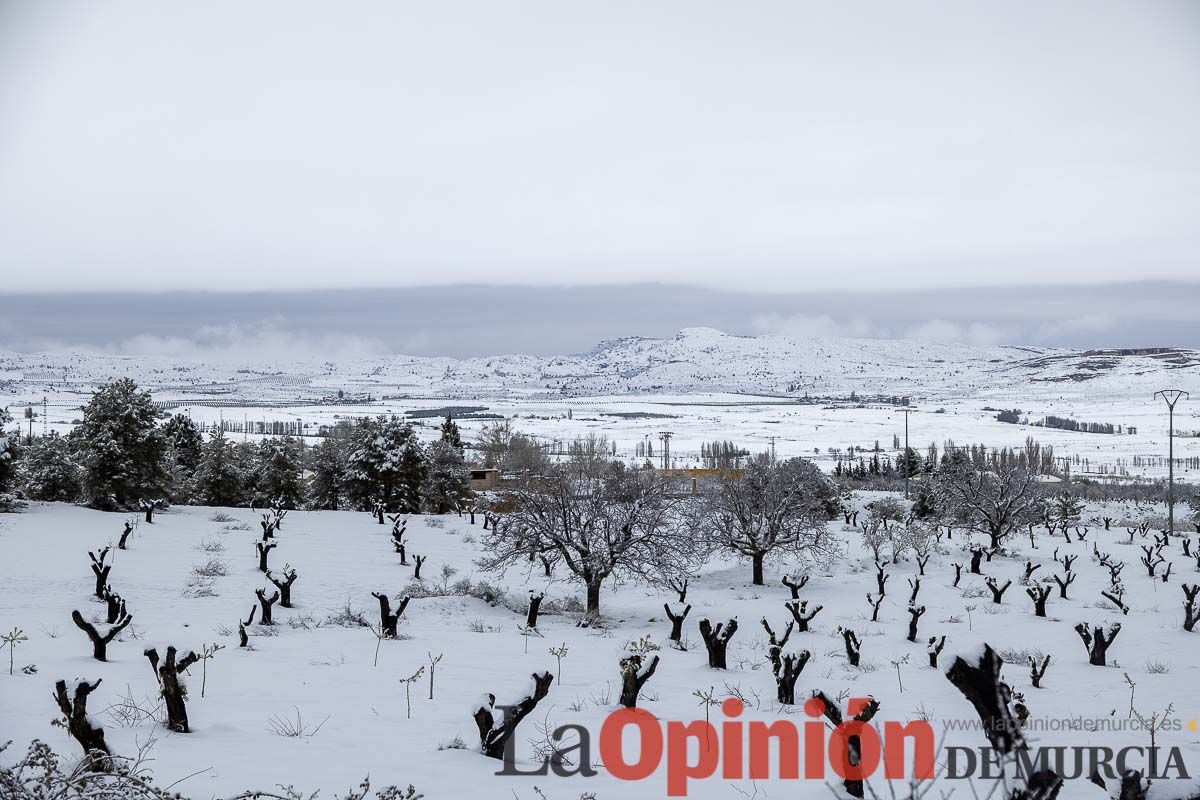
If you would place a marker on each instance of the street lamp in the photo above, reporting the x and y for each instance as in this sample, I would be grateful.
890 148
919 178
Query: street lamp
1171 397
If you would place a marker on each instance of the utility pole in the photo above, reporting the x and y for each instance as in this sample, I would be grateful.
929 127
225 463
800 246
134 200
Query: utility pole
906 452
1171 397
772 438
665 438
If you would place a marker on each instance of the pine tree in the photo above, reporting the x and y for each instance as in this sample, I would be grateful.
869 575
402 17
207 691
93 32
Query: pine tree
49 471
9 451
185 441
451 434
327 462
121 446
277 468
447 481
386 463
220 480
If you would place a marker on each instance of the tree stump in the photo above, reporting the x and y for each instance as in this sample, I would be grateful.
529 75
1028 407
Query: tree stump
494 734
634 674
716 640
100 640
388 620
79 724
173 691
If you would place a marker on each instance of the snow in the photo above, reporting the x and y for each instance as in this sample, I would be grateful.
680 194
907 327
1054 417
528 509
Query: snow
700 384
327 670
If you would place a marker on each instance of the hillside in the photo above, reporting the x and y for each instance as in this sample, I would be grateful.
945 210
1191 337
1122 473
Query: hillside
696 360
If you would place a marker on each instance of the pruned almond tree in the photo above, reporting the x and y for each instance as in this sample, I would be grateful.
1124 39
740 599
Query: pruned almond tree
622 524
776 509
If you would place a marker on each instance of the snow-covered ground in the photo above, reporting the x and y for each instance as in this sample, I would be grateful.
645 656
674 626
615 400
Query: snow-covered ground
700 385
354 711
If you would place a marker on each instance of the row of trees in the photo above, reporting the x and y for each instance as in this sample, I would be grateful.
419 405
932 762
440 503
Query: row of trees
632 524
124 450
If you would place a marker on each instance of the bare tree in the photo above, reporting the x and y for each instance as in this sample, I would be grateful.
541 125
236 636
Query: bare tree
495 733
265 604
264 550
1037 672
863 711
981 685
1191 614
243 638
535 605
801 614
785 666
1097 641
173 691
795 584
774 509
388 620
677 617
80 725
623 524
100 568
934 649
100 640
285 585
716 640
121 543
995 500
1039 595
635 671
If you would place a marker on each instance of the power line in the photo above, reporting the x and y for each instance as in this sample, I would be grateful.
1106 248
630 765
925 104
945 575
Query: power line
1171 397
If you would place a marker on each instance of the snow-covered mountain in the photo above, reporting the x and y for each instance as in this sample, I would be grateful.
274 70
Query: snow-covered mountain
696 360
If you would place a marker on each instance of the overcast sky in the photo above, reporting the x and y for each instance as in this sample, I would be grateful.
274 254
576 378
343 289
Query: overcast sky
773 146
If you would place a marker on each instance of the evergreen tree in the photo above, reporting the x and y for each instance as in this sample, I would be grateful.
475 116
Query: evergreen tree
245 458
9 451
327 462
220 480
925 504
910 463
277 470
447 480
385 463
451 434
121 446
184 440
49 471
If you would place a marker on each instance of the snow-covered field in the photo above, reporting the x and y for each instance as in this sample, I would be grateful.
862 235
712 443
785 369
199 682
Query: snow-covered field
700 385
353 710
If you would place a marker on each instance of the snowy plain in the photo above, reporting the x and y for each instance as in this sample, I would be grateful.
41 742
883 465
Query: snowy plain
701 385
308 666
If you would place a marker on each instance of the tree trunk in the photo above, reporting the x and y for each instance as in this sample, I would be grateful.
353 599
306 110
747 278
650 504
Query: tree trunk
790 667
716 641
981 685
172 689
79 724
493 735
676 622
633 678
593 599
535 604
757 561
99 643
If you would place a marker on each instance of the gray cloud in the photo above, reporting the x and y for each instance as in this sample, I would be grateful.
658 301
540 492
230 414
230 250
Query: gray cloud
781 146
470 320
